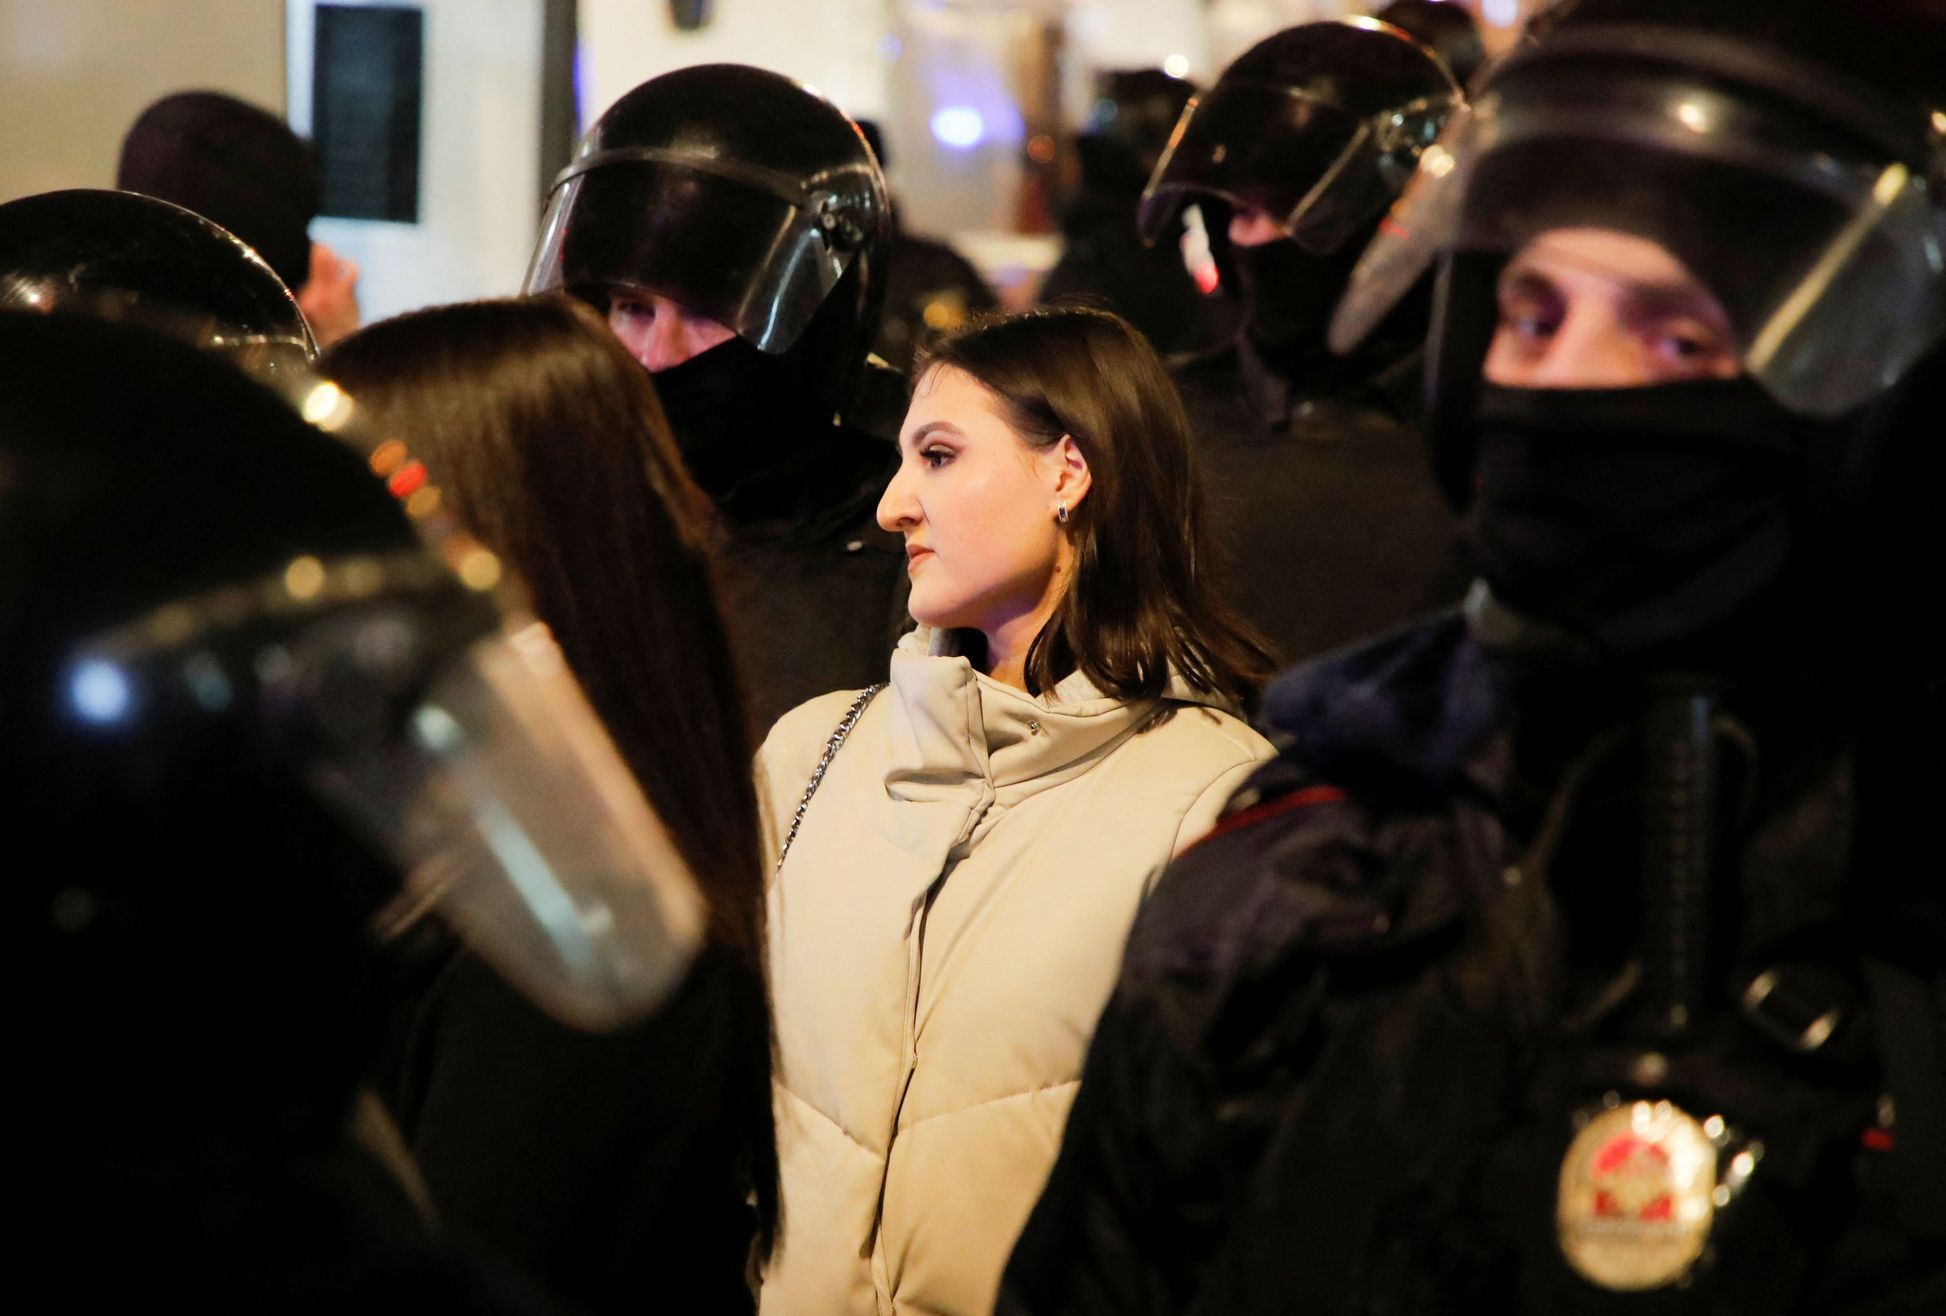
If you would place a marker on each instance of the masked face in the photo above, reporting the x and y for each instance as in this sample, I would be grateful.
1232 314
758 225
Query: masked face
1630 484
978 508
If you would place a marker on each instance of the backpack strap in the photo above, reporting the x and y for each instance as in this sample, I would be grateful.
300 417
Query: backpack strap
852 714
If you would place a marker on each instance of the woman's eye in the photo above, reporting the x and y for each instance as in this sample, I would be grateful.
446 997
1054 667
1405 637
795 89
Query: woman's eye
936 457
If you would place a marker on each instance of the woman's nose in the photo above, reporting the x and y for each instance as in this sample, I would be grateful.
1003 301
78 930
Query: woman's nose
897 508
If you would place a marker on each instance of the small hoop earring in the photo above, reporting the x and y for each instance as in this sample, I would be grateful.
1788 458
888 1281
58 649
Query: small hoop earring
1061 513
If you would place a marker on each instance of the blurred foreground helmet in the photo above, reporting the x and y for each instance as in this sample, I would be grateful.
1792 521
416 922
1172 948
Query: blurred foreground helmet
1790 155
1319 126
115 253
741 195
250 705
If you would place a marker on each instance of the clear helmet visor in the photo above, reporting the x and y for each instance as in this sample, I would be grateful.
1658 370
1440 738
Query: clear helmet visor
513 817
1826 264
753 253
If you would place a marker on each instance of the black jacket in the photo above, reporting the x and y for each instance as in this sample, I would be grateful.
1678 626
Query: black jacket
1352 1039
813 592
611 1169
1327 521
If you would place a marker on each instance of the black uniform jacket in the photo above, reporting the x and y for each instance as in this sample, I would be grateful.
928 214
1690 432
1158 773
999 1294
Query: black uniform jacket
1327 521
813 592
1342 1067
611 1169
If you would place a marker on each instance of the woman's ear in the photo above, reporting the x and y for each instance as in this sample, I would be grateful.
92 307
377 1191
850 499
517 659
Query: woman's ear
1072 479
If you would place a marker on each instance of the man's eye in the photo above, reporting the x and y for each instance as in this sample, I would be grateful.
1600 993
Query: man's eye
1530 320
634 310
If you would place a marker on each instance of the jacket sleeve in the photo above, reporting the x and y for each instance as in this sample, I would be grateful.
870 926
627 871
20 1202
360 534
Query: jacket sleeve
1196 1059
1092 1242
1135 1203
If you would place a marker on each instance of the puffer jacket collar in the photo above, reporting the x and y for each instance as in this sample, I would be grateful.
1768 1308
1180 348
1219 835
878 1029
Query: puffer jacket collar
963 748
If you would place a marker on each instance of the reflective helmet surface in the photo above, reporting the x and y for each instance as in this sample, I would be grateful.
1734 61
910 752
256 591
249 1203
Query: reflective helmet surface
739 194
1319 126
1789 155
106 253
257 709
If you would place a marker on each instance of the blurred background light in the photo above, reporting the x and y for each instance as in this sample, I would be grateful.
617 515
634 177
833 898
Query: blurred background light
100 691
958 126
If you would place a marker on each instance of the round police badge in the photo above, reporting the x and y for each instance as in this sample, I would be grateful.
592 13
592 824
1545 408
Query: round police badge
1637 1196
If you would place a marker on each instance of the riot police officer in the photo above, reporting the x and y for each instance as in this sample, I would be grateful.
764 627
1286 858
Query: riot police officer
1582 953
733 226
1104 261
118 253
264 719
1318 490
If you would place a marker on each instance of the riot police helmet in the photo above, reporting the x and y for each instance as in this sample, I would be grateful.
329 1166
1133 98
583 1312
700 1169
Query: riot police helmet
1319 126
110 253
1130 120
261 709
742 196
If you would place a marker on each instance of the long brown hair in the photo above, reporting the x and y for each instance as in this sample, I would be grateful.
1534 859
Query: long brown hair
1139 605
549 439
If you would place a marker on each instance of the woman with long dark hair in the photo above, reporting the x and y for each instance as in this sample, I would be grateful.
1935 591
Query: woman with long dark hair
962 852
620 1170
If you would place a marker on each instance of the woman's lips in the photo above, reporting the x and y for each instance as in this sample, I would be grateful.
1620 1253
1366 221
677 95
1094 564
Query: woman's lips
914 555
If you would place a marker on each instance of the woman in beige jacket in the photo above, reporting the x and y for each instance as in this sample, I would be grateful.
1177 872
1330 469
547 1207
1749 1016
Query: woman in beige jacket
949 912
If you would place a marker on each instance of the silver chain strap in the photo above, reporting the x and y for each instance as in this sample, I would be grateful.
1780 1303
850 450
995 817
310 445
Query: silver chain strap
852 714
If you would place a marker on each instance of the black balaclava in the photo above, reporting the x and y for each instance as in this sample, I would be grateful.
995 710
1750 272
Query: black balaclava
1288 296
747 426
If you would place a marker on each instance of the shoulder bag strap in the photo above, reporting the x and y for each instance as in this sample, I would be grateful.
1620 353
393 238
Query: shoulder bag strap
851 717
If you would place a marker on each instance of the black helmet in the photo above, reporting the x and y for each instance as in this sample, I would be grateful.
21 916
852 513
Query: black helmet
117 253
740 194
250 703
1788 152
1319 126
1130 121
1445 27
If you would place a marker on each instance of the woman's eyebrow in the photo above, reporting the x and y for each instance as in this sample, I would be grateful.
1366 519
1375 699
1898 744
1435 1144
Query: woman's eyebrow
931 428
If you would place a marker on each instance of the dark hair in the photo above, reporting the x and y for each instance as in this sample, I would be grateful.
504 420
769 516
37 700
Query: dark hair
233 163
1139 605
549 439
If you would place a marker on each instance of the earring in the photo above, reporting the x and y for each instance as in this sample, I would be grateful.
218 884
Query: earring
1061 513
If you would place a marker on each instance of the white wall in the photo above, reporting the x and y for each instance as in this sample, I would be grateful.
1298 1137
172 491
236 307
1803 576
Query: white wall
75 73
478 157
835 45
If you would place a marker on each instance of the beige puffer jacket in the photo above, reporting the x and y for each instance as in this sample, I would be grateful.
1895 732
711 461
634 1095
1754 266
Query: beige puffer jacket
943 935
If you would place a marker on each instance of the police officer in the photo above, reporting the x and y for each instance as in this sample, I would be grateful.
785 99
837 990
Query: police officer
733 226
1582 953
1318 489
117 253
1104 261
260 718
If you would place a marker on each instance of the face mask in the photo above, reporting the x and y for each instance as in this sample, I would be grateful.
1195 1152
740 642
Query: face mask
1289 294
738 415
1633 518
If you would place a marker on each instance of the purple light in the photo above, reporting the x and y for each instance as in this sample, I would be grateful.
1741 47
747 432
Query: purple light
958 126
